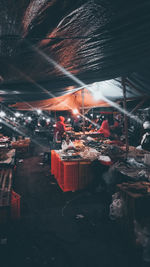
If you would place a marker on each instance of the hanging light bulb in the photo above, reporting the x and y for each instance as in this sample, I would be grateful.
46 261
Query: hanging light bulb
2 114
17 114
75 111
39 111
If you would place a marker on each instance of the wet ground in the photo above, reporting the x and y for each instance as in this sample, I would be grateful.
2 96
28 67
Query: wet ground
60 229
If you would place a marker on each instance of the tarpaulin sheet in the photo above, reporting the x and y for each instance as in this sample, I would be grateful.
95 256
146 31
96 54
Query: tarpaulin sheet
65 102
94 40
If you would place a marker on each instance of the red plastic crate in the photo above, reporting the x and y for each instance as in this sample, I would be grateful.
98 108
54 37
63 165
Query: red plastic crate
15 205
107 163
56 170
52 161
55 158
71 176
85 174
61 174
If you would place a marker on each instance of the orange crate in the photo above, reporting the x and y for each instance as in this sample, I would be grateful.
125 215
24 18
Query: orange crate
71 176
52 161
61 174
85 174
55 163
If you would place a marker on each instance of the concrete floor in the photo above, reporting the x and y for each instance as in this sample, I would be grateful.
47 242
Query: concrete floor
59 229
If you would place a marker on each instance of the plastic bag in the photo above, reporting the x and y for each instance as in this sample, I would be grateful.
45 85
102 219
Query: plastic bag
134 163
143 237
117 207
89 153
64 145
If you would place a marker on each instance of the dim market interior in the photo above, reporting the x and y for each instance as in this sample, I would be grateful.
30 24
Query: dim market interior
67 180
74 133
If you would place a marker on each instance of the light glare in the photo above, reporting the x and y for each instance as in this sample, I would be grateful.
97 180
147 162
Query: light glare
2 114
75 111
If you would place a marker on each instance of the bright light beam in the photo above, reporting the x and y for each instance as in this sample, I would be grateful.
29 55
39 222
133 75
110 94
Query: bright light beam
71 76
79 82
115 105
60 68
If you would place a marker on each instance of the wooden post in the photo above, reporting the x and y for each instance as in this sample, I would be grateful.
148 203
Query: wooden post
83 117
55 116
125 116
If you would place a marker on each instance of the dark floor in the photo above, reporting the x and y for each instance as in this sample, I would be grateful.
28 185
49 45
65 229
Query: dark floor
59 229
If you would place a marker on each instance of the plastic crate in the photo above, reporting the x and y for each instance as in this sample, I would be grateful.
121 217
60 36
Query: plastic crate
56 169
85 174
52 161
71 176
106 163
61 174
15 205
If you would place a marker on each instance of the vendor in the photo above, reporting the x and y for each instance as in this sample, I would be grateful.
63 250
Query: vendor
105 128
116 129
145 142
60 129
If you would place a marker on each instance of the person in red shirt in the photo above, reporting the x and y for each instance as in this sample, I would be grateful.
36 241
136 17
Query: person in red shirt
59 129
104 129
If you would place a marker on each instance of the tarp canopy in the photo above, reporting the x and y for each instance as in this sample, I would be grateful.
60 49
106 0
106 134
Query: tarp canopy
65 102
95 40
96 95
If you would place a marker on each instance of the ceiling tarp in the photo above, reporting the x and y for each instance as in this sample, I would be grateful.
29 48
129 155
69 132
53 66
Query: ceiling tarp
140 81
66 102
96 95
94 40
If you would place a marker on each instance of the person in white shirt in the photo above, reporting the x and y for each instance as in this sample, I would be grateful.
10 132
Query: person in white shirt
145 141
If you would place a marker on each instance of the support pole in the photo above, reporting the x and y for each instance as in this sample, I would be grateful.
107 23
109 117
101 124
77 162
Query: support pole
83 117
125 116
55 116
